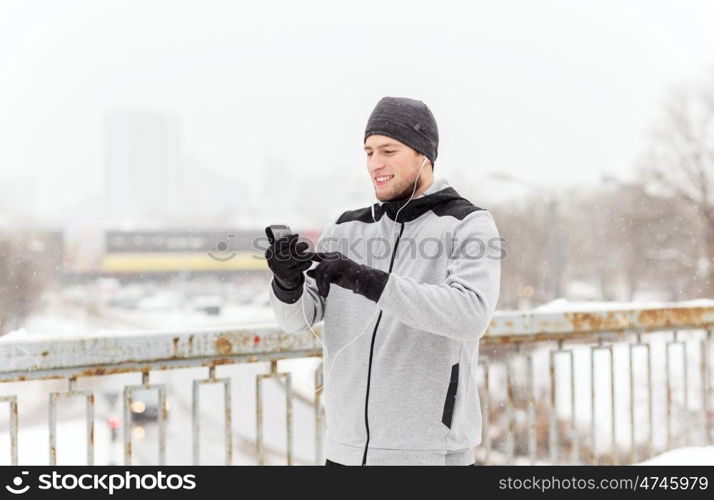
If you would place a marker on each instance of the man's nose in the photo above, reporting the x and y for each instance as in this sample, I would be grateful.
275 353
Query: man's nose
374 163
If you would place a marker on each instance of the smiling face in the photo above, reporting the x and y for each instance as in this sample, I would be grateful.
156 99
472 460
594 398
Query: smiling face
393 167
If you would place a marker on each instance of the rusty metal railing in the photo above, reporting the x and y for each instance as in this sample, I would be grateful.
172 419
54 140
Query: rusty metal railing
539 378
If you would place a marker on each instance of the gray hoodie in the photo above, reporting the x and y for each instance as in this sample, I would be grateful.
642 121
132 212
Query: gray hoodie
404 390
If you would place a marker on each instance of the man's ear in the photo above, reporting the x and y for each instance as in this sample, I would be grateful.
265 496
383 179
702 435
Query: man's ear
430 163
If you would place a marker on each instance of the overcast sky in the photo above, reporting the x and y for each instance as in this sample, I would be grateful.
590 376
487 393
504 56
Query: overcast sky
556 92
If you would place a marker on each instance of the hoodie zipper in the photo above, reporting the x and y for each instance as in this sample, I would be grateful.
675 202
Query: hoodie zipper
371 352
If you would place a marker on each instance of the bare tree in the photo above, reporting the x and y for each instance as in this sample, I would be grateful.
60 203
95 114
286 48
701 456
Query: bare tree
23 277
680 158
524 271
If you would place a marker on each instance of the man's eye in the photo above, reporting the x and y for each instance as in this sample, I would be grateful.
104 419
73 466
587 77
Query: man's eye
390 152
369 154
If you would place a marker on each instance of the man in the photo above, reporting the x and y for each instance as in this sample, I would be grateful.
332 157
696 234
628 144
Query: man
406 288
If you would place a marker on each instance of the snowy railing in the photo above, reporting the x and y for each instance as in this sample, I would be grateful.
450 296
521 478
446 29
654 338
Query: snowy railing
569 396
555 387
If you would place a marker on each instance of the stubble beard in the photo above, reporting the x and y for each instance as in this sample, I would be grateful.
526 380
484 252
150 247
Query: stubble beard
406 192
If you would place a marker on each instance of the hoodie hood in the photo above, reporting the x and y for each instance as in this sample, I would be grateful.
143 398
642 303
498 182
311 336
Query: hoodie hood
437 194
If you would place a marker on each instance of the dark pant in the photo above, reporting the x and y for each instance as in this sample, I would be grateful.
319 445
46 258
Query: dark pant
330 462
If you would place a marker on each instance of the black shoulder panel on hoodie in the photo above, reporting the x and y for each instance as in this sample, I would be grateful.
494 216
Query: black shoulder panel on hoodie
446 202
457 208
361 215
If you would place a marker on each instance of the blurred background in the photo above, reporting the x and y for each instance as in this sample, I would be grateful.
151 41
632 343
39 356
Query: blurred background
137 136
144 146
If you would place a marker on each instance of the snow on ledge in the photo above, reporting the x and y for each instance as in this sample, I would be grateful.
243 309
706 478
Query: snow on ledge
691 455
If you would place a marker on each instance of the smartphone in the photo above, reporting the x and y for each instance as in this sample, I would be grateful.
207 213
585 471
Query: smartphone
277 231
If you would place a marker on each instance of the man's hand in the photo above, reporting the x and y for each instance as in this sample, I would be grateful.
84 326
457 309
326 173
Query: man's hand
287 260
335 268
338 269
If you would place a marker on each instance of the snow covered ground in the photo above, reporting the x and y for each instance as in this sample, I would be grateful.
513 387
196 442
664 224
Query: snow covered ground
691 455
592 305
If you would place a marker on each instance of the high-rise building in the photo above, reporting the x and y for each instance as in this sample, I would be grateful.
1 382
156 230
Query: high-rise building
142 165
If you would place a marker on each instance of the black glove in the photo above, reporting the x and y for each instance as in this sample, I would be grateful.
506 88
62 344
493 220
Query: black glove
343 271
288 260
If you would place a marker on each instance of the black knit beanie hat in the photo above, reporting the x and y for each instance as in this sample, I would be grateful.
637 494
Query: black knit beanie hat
407 120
